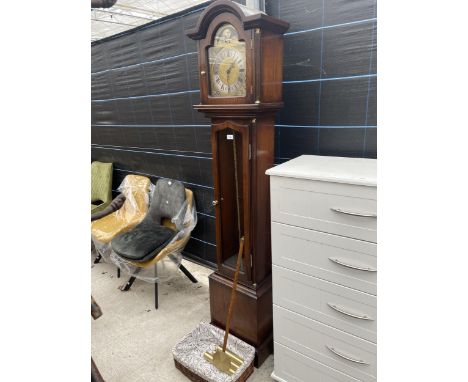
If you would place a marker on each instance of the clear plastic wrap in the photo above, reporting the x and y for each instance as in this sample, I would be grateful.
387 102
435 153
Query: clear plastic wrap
164 264
137 190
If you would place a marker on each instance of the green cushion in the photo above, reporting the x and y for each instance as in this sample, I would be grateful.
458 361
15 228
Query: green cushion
98 207
101 183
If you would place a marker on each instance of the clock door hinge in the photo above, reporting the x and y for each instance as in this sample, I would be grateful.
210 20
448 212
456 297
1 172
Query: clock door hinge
251 261
250 151
251 43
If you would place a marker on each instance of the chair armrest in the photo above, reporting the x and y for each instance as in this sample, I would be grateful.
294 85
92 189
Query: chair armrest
116 204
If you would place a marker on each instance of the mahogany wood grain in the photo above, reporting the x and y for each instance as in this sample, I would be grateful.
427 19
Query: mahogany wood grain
271 67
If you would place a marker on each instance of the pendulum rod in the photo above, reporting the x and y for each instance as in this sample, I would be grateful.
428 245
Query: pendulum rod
237 184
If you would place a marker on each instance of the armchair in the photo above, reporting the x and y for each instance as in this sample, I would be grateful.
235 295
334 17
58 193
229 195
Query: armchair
135 189
162 234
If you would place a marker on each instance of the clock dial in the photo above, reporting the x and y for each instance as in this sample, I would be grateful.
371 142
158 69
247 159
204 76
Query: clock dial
227 64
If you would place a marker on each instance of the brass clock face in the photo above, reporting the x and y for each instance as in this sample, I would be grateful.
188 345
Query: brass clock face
227 64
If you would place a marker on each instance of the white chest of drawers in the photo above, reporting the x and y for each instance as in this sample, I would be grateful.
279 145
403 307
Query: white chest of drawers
324 256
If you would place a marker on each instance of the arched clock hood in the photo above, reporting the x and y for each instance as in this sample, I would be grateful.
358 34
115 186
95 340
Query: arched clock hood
250 18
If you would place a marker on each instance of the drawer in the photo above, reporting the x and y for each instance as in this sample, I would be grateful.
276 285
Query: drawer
347 309
341 209
332 347
291 366
345 261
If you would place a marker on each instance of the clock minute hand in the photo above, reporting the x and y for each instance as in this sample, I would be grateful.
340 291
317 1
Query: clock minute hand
228 72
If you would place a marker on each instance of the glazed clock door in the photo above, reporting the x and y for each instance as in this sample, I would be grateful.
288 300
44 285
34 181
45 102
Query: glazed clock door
231 169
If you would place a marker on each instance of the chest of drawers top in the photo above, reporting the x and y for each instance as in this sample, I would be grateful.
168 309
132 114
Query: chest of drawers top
357 171
327 194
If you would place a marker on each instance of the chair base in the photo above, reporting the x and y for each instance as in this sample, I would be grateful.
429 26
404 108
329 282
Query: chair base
126 287
187 273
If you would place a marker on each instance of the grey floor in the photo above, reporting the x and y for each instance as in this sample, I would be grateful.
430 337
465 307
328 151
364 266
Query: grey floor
132 342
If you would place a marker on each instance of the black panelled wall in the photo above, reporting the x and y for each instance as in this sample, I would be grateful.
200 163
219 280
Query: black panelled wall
145 81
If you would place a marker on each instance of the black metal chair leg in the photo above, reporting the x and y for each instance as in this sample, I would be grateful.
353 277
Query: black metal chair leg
128 285
98 258
118 272
156 297
130 281
188 274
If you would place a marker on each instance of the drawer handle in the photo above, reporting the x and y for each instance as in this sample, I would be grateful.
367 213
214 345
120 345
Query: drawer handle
354 213
349 358
347 265
342 311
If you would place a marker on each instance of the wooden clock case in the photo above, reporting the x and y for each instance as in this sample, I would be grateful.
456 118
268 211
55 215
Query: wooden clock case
251 121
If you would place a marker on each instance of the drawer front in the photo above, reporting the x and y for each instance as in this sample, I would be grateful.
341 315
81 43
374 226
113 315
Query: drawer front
334 348
343 308
291 366
345 261
341 209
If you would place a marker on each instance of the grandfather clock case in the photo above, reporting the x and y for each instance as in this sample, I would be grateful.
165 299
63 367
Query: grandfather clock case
240 54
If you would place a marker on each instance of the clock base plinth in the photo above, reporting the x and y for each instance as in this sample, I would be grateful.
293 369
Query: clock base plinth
263 351
252 320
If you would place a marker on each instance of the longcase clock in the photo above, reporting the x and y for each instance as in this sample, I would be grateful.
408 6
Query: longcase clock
240 54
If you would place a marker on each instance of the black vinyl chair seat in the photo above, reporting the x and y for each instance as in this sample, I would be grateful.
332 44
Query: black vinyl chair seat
143 242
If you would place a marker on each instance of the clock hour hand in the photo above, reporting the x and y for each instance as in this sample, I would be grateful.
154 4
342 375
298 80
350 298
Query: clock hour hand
228 72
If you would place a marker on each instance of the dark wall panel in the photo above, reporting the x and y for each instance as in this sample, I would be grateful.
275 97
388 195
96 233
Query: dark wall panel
301 60
301 14
341 142
346 50
145 81
296 141
343 103
347 11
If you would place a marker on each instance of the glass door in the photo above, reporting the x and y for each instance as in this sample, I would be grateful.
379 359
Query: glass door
232 190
